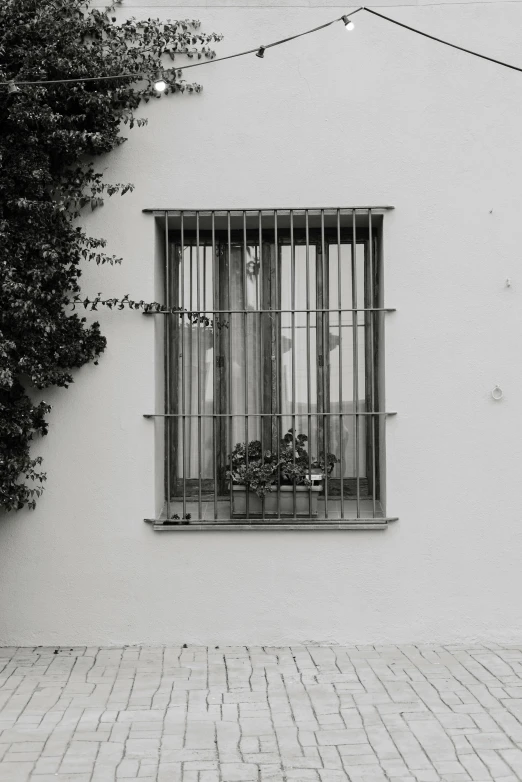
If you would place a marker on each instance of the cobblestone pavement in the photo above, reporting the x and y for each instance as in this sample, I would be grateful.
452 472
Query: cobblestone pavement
238 714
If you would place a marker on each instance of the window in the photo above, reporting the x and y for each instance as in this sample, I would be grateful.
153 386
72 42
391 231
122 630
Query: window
274 338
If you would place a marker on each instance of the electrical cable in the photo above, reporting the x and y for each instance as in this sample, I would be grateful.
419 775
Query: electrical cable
448 3
259 50
440 40
184 67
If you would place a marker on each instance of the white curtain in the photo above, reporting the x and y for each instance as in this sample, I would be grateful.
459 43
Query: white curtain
243 344
197 357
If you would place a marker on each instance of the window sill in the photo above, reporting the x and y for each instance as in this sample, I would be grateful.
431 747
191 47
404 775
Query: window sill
159 525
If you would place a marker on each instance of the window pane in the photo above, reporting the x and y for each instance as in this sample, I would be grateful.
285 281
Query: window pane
243 342
299 341
343 390
194 344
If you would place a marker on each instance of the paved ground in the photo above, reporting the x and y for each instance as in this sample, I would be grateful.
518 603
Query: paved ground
240 714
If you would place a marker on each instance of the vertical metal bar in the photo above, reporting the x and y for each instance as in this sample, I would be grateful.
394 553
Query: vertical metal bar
205 278
245 353
199 326
276 303
326 362
215 318
371 368
261 374
190 401
183 410
206 334
355 336
308 368
340 315
206 326
167 358
229 357
292 315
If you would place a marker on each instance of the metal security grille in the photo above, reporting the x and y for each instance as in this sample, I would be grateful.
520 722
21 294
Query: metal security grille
274 329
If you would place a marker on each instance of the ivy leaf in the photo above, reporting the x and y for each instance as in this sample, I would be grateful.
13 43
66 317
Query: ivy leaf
49 136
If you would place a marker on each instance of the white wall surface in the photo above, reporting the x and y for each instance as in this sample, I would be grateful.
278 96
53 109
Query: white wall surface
378 116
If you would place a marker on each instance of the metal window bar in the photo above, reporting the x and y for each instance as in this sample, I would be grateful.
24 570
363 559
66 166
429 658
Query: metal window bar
292 316
276 342
325 347
372 362
308 362
214 371
229 356
245 353
199 325
231 238
264 415
262 396
168 393
182 350
355 337
341 398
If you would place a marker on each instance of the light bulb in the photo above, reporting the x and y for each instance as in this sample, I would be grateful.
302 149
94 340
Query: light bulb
349 25
160 85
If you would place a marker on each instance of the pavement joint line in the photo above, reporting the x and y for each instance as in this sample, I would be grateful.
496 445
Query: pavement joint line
186 713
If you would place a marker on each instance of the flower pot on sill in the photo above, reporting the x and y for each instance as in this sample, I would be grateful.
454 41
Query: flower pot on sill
303 496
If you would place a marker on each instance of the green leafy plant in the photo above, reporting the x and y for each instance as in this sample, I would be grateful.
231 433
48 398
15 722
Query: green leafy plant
261 471
50 135
176 519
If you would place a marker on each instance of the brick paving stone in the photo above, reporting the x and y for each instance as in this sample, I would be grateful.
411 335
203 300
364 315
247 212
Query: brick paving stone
236 714
333 776
494 763
15 772
239 772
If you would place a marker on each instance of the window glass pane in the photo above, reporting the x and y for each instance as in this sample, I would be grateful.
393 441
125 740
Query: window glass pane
243 341
342 389
194 344
299 341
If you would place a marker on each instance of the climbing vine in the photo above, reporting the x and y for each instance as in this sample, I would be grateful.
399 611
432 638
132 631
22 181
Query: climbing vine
50 136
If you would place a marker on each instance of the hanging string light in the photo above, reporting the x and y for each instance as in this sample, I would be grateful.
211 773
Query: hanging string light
160 84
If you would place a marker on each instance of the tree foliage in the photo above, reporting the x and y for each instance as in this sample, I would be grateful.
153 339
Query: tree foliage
50 136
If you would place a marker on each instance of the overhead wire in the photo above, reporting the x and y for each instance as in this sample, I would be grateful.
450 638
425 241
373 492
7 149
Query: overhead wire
440 40
309 7
183 67
259 50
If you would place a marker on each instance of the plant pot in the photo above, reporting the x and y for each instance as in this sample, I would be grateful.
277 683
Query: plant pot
304 495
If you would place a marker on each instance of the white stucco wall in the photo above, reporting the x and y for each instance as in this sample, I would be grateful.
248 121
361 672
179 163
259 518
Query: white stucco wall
378 116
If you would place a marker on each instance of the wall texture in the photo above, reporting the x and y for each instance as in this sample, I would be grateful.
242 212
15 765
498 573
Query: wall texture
378 116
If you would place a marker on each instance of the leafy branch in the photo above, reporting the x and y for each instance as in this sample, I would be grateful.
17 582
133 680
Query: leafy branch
146 307
50 137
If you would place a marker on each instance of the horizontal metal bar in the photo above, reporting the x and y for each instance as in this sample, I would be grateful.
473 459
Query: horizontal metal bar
238 212
273 524
260 415
192 313
274 527
283 520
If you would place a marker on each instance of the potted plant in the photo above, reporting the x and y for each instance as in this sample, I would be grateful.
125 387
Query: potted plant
279 478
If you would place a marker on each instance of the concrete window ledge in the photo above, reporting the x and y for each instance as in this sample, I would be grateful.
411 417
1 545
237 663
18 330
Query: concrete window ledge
158 525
